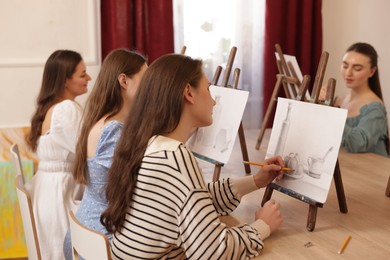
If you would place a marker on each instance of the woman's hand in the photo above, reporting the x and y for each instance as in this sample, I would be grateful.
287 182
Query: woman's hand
270 214
268 173
323 91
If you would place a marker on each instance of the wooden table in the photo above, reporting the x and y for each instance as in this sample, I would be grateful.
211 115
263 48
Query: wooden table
364 177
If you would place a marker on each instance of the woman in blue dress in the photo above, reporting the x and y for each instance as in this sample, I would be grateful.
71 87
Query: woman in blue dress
366 128
106 109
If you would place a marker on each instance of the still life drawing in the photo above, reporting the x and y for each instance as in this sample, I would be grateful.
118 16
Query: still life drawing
308 137
215 142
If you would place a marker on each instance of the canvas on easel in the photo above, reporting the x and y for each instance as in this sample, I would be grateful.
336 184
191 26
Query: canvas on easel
308 137
216 141
224 131
288 78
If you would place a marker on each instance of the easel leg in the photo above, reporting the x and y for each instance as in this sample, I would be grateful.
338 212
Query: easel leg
244 150
267 195
340 189
270 108
217 172
311 218
262 131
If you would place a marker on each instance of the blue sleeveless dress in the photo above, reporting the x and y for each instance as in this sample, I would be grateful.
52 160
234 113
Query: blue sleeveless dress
94 199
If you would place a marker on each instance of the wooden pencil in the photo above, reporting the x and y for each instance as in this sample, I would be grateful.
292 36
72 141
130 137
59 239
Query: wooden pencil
263 164
346 240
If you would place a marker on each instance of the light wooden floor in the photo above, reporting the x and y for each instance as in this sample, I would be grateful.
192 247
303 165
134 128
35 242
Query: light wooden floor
367 221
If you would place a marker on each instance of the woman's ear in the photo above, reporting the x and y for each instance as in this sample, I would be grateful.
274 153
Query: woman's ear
373 69
189 94
122 78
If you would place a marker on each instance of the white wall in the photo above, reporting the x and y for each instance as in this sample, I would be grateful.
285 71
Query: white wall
30 30
348 21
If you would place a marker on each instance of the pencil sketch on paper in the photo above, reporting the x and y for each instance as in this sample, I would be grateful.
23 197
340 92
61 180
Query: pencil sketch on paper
215 142
308 137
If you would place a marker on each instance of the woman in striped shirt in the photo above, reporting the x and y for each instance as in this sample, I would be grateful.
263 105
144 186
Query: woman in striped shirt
159 205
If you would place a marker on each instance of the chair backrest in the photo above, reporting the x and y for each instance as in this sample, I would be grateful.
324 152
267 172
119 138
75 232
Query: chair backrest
28 219
86 242
14 150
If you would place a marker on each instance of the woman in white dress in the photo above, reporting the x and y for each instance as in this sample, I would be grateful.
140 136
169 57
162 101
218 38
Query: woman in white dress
53 135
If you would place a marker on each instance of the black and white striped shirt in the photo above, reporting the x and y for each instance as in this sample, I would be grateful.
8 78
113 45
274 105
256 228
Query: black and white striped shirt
175 215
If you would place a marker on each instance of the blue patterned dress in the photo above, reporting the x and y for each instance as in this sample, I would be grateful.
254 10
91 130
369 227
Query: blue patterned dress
367 132
94 198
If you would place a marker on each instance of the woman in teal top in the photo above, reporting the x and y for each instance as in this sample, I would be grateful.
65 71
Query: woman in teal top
366 128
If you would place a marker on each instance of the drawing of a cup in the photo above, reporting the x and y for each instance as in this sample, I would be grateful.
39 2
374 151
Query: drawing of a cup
315 166
292 161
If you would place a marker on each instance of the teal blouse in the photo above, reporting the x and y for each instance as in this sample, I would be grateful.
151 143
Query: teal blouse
367 132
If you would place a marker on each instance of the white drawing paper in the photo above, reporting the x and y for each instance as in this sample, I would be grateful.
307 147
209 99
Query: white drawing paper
215 142
297 69
308 137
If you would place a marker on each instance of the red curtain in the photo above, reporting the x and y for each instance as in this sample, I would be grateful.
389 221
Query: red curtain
297 26
142 25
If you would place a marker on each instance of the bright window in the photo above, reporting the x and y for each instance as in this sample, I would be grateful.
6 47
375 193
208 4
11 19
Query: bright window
210 28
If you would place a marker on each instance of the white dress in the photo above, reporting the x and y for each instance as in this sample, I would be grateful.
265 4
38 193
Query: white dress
53 189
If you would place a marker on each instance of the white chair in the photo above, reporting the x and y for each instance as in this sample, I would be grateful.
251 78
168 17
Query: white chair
86 242
28 219
14 150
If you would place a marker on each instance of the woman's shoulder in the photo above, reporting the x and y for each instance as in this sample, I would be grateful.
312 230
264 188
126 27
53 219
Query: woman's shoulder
111 132
111 128
373 106
66 113
67 103
68 108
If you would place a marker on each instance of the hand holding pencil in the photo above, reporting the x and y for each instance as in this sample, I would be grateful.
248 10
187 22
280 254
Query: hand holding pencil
272 169
263 164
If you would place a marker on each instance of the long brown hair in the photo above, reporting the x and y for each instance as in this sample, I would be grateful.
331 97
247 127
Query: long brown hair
105 99
59 67
374 82
156 110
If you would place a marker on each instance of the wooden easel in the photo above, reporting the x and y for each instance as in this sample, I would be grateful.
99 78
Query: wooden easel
183 49
292 83
300 95
225 80
314 205
292 87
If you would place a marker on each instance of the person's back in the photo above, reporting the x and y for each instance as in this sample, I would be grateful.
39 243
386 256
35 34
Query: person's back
94 198
159 205
107 106
53 135
173 214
